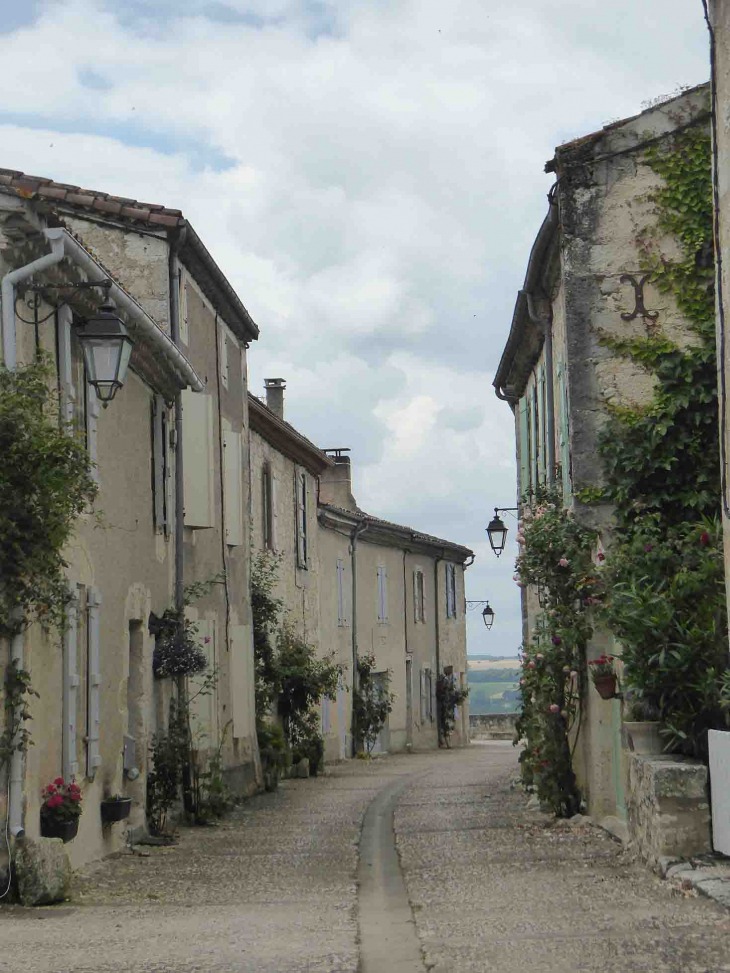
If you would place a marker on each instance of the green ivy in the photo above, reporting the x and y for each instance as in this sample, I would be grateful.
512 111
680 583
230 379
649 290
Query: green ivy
45 483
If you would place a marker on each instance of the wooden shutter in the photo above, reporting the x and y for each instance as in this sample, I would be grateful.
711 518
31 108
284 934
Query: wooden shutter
93 682
564 435
198 463
382 593
524 445
70 686
301 501
341 620
274 512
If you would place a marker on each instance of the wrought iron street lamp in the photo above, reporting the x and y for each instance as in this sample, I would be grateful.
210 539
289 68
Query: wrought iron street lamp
487 614
497 530
107 349
104 340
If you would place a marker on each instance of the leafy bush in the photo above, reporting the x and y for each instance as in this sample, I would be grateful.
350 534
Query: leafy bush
372 702
448 697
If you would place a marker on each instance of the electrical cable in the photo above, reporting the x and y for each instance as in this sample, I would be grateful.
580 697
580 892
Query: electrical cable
7 840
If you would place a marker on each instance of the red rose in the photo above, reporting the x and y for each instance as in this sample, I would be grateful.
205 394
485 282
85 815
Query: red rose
58 781
74 789
601 556
50 789
704 539
75 797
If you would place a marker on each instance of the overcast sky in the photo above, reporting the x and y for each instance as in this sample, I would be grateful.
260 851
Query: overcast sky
369 175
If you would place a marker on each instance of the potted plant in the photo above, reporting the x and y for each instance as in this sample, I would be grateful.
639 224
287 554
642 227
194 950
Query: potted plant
603 675
60 810
643 725
115 808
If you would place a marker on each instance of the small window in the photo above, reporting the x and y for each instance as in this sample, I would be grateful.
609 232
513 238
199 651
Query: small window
302 525
450 590
267 507
382 594
419 607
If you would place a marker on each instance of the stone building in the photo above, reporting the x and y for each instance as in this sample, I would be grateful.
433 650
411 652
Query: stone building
170 451
396 594
585 280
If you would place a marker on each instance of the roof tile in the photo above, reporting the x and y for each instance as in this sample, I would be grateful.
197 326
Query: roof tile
52 192
107 205
80 199
135 213
163 220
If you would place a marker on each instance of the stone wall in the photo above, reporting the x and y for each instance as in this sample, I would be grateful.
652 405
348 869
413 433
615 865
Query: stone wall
668 807
493 726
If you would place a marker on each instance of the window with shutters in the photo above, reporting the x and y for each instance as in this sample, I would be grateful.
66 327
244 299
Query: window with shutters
419 605
450 590
302 521
341 610
199 465
382 576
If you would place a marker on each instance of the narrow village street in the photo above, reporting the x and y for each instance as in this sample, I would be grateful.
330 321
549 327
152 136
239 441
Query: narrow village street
491 886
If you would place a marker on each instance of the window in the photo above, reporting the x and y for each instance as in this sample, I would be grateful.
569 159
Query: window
302 524
341 615
382 576
450 590
267 507
419 607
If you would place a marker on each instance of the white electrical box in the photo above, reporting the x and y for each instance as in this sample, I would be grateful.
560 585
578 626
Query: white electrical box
719 741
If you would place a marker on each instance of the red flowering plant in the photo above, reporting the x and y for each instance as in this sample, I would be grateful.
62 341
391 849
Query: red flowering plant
61 801
601 667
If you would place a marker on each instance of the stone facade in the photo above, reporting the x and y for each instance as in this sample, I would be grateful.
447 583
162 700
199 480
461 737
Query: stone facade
557 375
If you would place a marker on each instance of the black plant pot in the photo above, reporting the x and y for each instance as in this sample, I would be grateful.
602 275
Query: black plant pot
65 830
112 811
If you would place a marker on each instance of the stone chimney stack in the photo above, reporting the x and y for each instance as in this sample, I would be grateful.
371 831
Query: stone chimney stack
275 395
335 483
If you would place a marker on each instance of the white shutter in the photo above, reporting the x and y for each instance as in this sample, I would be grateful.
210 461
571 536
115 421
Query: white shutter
92 415
183 308
223 357
340 593
159 450
198 464
381 592
233 512
70 686
93 756
416 602
302 525
65 372
423 696
240 678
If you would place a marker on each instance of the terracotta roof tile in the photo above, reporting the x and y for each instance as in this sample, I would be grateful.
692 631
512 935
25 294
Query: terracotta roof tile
79 199
163 220
52 192
107 205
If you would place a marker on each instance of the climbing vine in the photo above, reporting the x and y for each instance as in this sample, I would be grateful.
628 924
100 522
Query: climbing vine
16 736
45 483
664 575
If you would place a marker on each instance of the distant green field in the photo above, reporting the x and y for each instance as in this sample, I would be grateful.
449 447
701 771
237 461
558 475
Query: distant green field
482 697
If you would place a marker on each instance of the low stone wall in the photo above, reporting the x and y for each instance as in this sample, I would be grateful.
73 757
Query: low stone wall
493 726
668 807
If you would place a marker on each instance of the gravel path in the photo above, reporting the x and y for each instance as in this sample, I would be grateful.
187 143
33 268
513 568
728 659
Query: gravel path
491 887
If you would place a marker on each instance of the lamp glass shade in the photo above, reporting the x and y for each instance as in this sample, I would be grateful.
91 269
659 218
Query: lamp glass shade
497 533
488 616
107 349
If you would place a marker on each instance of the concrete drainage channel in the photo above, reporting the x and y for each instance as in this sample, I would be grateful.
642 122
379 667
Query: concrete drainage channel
388 938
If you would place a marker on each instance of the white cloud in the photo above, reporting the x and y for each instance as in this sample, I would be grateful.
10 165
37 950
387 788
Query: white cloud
383 188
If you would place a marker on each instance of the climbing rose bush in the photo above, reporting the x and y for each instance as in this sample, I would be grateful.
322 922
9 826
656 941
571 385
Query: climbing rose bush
556 558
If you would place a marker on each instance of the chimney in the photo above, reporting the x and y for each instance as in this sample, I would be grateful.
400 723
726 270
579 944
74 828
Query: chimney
275 395
335 483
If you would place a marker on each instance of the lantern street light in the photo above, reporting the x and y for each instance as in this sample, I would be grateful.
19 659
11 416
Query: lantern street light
497 530
487 614
107 349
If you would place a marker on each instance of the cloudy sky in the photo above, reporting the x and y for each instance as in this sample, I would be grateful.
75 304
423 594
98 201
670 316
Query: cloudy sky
369 175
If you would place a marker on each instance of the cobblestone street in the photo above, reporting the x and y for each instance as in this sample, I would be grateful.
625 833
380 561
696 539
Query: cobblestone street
491 886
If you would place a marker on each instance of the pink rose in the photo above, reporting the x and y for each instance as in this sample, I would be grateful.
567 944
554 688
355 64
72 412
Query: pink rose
554 708
531 665
563 562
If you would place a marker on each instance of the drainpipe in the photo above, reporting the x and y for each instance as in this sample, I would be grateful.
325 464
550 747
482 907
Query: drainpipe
8 291
17 644
174 283
357 531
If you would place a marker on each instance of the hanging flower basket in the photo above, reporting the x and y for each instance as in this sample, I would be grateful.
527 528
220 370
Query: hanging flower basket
605 686
65 830
115 809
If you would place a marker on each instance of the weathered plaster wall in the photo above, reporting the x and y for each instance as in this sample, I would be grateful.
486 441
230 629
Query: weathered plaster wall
297 587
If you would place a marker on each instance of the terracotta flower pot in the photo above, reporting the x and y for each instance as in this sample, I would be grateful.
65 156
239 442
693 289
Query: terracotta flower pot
112 811
65 830
605 686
